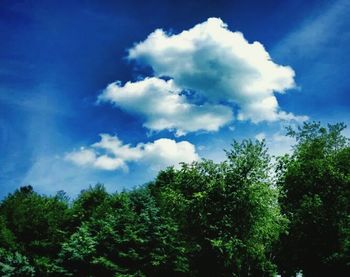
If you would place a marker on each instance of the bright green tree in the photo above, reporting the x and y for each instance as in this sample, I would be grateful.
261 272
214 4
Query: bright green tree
15 265
227 212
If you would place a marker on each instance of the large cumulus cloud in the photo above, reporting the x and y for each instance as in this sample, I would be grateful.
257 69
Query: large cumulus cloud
221 66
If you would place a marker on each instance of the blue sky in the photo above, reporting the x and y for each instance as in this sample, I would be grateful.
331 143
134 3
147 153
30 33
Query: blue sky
72 71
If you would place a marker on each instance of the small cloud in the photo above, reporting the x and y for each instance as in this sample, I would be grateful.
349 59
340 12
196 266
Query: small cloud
231 128
201 147
279 144
82 157
260 136
116 155
109 163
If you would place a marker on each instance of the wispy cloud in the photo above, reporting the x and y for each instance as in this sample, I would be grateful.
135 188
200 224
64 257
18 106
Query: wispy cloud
319 49
317 33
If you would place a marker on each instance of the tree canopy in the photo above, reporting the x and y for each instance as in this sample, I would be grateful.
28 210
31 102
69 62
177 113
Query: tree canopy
250 215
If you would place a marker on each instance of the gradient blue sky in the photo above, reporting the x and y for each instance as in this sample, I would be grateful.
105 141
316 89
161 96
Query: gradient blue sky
57 57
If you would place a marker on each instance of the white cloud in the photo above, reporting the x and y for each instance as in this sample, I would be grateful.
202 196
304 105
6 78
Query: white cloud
260 136
219 65
110 153
165 152
163 106
116 147
279 144
109 163
82 157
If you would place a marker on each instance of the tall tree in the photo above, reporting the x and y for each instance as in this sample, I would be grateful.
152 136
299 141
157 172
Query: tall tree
315 181
228 212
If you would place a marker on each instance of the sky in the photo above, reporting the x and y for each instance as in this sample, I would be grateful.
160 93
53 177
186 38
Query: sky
113 91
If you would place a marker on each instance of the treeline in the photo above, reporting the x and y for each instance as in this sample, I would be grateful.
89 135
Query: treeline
250 215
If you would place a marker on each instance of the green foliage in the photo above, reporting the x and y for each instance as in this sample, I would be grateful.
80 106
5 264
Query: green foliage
14 264
89 203
7 239
35 222
315 181
246 216
228 212
77 253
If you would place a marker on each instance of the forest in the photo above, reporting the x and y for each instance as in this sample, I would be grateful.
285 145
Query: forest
251 215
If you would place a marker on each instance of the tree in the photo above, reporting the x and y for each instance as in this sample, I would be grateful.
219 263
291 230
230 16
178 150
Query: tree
89 203
234 218
7 239
315 181
37 223
227 212
15 265
78 252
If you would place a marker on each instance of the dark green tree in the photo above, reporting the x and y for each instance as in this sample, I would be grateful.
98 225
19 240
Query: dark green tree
33 225
315 181
89 203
